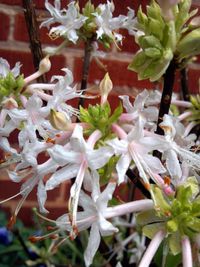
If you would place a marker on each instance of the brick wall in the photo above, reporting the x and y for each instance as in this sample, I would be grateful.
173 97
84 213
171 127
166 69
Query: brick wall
14 46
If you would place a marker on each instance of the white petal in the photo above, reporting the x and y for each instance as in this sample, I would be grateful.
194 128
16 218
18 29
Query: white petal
106 228
85 201
122 166
93 244
153 163
105 196
61 176
172 164
63 156
4 144
98 158
119 146
41 196
15 177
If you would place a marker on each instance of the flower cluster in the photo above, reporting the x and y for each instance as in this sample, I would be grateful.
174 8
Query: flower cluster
93 23
97 147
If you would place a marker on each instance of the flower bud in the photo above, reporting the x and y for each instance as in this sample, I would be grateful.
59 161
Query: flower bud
59 121
105 87
45 65
9 103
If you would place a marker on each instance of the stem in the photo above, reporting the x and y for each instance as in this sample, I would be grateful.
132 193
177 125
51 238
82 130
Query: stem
137 182
184 85
86 65
169 78
33 31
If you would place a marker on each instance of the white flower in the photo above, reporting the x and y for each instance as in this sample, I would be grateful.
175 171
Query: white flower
76 159
176 147
106 23
130 22
5 68
95 214
70 20
141 109
131 147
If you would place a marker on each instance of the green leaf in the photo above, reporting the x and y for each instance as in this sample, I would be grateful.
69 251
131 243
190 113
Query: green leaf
151 229
175 243
147 217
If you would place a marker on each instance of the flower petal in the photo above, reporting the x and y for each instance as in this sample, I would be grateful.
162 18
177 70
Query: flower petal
93 244
61 176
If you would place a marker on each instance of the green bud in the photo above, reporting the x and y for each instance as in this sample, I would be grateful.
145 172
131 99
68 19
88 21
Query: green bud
172 226
189 45
142 18
152 52
156 29
149 41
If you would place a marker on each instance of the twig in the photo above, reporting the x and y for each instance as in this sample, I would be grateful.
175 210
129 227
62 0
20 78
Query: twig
33 31
137 182
184 85
86 65
169 78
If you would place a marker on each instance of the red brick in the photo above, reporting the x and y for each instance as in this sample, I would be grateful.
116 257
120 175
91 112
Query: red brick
26 215
11 2
57 63
8 189
128 44
4 26
55 212
193 80
118 72
21 32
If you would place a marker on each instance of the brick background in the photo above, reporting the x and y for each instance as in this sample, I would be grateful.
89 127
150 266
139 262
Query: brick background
14 46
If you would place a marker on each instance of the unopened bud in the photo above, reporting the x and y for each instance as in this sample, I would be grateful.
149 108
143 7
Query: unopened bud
105 87
9 103
45 65
59 121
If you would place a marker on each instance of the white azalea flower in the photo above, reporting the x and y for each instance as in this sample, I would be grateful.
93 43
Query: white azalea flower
95 214
141 109
131 147
70 20
177 147
75 159
106 23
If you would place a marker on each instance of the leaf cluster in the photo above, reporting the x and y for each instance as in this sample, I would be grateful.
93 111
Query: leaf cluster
100 118
10 85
